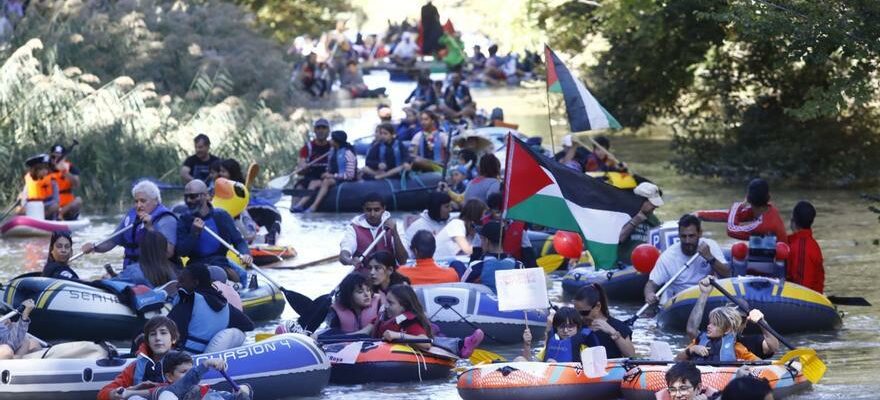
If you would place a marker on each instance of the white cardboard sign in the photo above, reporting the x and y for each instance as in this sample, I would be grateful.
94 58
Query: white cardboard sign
521 289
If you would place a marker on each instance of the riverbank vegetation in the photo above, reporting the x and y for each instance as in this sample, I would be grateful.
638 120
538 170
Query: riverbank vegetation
783 89
134 81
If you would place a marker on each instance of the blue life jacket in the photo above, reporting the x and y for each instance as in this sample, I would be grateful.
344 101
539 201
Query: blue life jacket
337 160
131 240
208 245
569 349
395 147
722 349
140 298
145 369
204 324
492 264
438 146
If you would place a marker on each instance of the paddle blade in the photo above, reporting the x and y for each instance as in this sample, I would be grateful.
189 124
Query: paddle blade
812 366
550 262
279 182
252 172
481 356
849 301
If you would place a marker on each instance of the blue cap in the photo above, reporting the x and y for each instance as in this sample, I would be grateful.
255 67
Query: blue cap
322 122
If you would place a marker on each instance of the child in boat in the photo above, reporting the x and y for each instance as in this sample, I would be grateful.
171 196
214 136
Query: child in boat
14 340
684 382
160 336
182 381
718 342
564 339
355 310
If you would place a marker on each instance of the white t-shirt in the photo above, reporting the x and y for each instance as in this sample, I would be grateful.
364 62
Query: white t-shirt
447 248
424 222
406 49
673 259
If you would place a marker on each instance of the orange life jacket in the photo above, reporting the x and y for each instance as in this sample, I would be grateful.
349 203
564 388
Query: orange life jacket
65 187
38 190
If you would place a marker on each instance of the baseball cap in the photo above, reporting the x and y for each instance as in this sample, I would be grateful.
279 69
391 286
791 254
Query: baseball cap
37 159
491 230
322 122
649 191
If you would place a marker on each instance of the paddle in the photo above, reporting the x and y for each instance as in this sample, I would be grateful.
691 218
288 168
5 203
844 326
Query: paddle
235 387
311 263
282 181
849 301
252 172
113 235
813 367
668 283
12 207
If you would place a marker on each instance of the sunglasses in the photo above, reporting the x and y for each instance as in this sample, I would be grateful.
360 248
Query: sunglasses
191 196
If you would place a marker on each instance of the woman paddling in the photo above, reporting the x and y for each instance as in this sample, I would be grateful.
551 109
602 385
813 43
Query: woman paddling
57 263
613 334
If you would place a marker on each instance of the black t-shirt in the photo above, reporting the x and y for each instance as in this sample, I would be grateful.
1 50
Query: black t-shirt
605 340
199 169
755 344
56 270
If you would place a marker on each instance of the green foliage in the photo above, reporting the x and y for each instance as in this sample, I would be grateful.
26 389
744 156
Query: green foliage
129 128
780 88
287 19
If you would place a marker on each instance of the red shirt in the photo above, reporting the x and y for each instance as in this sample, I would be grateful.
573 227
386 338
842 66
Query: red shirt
745 223
804 265
409 326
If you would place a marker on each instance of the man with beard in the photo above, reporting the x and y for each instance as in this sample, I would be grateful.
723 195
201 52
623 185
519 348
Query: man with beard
364 229
711 260
201 247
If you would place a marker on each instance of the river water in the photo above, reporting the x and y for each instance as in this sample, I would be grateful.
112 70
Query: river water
846 231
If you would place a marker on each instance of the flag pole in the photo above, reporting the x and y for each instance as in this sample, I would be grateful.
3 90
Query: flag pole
550 122
507 172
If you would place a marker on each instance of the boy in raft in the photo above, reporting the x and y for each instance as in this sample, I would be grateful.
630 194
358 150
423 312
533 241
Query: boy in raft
763 345
387 157
342 167
684 381
160 336
756 217
804 265
14 340
39 186
719 342
66 176
364 229
564 338
182 381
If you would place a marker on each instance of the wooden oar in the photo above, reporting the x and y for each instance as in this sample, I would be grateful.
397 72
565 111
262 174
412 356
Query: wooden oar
310 263
282 181
113 235
813 367
668 283
252 172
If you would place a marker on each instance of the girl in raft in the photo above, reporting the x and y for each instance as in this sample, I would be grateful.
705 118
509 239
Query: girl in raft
718 342
57 263
160 336
613 334
565 338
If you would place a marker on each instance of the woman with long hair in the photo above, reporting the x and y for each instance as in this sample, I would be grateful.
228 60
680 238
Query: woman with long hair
592 304
57 263
404 317
383 272
153 268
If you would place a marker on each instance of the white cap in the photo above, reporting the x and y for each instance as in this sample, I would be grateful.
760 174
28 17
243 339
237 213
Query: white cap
649 191
566 140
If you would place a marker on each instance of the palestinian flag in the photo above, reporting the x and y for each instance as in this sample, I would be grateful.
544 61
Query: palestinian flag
542 191
584 112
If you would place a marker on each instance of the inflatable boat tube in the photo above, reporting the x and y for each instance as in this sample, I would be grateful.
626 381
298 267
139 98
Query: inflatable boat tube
785 380
538 381
387 362
24 226
284 366
788 307
621 285
460 308
62 306
399 194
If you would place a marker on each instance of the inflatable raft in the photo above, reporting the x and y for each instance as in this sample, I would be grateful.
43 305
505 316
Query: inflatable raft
788 307
400 194
785 380
264 254
62 306
621 285
280 367
538 381
460 308
24 226
387 362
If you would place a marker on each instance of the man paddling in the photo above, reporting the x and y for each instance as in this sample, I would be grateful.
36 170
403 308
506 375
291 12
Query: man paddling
66 176
148 213
674 258
200 246
364 229
198 166
39 186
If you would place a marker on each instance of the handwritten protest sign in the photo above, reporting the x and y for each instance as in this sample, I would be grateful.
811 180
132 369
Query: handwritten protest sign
521 289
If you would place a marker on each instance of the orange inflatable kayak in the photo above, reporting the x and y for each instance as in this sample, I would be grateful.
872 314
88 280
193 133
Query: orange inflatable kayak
538 381
364 362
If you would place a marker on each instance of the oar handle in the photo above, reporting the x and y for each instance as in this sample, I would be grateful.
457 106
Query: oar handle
663 288
12 314
228 378
223 242
113 235
741 305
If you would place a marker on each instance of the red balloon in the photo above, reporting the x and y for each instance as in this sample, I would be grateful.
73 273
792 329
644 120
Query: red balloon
739 251
644 256
782 251
568 244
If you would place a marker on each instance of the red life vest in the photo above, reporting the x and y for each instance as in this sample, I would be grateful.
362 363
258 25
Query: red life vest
410 325
512 242
365 238
349 322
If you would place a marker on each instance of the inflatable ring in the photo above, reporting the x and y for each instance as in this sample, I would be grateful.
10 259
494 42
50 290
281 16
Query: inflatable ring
231 196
